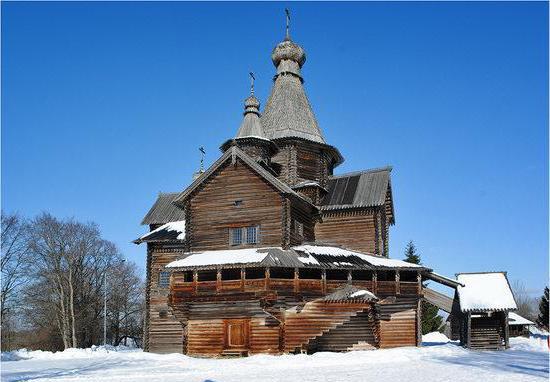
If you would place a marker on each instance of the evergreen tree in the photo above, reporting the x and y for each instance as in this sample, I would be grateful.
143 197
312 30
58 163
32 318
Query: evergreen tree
431 321
542 320
411 255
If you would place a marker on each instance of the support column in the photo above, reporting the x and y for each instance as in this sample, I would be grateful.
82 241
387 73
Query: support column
267 279
324 281
419 282
349 277
296 281
397 285
506 331
468 329
374 283
195 282
242 279
218 279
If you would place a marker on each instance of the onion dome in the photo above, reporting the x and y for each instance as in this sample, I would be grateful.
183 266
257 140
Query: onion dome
251 126
288 50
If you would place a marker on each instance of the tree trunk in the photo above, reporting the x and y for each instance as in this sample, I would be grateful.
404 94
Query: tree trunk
71 306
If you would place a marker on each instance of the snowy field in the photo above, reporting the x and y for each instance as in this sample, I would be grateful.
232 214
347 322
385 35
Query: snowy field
527 360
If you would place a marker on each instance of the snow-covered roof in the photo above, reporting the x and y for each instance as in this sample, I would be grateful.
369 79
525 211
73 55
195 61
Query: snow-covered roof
488 291
296 257
166 232
350 293
234 256
342 255
516 319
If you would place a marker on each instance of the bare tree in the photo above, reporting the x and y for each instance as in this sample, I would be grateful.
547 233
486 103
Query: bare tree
13 267
526 304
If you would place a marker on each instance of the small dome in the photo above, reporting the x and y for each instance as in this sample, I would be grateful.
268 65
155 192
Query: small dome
251 102
288 50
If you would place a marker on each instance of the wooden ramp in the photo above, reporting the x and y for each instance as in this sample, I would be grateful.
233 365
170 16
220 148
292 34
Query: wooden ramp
440 300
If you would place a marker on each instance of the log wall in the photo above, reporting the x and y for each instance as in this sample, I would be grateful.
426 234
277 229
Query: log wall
397 322
213 210
354 230
163 332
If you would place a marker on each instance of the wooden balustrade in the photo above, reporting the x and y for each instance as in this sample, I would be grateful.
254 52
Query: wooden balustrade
297 285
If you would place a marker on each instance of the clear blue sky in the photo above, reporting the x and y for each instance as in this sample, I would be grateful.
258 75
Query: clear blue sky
105 104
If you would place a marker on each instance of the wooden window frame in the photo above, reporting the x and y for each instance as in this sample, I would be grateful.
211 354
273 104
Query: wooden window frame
244 235
163 279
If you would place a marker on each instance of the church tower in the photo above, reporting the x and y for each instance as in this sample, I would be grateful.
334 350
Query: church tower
305 159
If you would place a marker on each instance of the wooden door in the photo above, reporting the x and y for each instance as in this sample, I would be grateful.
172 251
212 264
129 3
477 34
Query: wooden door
236 334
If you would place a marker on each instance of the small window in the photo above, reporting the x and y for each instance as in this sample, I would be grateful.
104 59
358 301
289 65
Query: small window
231 274
408 276
163 314
236 236
298 228
385 276
238 203
251 235
164 279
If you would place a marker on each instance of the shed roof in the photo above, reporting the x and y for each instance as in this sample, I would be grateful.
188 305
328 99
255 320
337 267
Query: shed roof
358 189
164 211
173 231
486 291
516 319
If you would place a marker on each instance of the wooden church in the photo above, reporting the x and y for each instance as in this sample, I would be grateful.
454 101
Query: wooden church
268 251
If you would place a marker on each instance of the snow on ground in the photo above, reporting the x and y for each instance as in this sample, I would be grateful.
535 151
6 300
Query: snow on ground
527 360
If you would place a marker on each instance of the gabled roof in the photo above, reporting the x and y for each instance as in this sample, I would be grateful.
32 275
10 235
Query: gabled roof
164 211
288 113
367 188
173 231
485 291
232 154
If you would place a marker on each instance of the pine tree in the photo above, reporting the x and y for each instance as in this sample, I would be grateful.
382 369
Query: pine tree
542 320
411 255
431 321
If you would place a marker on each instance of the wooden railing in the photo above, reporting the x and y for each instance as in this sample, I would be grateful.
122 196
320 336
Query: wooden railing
322 286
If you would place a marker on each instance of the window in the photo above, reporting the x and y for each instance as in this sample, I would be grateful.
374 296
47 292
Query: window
164 279
251 235
298 228
310 273
236 236
337 274
281 273
244 235
188 276
238 203
361 275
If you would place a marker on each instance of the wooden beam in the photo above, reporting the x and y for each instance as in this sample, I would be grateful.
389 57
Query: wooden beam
397 286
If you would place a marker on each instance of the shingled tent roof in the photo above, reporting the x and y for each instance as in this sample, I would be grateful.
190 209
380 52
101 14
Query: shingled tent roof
164 211
367 188
288 113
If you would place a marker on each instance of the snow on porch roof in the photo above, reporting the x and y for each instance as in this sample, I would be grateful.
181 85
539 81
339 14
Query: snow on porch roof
296 257
488 291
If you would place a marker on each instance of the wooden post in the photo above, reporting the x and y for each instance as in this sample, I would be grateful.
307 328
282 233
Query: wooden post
218 279
419 281
195 282
296 281
468 329
267 279
324 281
349 277
419 323
397 286
506 331
242 279
374 283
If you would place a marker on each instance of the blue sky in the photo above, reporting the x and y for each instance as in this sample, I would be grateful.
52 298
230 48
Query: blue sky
105 104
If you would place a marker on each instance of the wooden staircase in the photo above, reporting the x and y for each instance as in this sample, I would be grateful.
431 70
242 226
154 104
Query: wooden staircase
314 319
485 338
357 333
